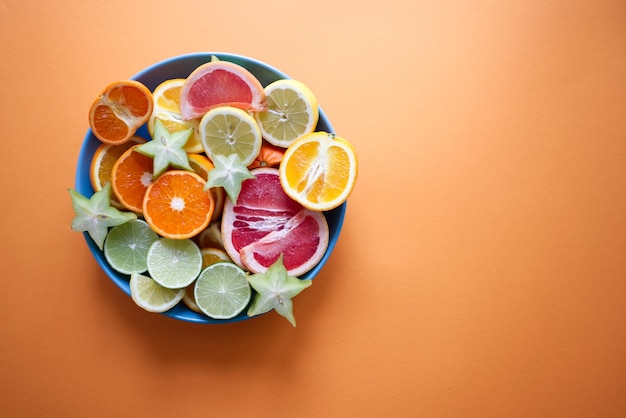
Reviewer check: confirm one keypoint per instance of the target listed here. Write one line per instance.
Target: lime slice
(222, 291)
(174, 263)
(126, 246)
(291, 113)
(227, 130)
(209, 256)
(151, 296)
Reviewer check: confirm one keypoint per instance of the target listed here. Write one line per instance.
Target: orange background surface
(481, 271)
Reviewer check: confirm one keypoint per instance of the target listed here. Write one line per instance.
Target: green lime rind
(126, 246)
(151, 296)
(222, 290)
(174, 263)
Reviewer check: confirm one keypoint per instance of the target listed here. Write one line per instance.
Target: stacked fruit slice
(230, 189)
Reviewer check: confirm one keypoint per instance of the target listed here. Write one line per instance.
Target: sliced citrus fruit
(174, 263)
(213, 255)
(222, 290)
(176, 206)
(167, 108)
(120, 110)
(103, 159)
(190, 300)
(220, 83)
(126, 246)
(265, 223)
(102, 164)
(151, 296)
(130, 177)
(209, 256)
(291, 113)
(211, 236)
(319, 171)
(227, 130)
(202, 165)
(269, 156)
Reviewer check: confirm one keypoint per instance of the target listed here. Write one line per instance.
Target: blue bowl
(181, 67)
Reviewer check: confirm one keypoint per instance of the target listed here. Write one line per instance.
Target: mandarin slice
(176, 205)
(120, 110)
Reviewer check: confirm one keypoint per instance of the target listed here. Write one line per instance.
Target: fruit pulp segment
(108, 123)
(170, 98)
(298, 241)
(286, 112)
(218, 86)
(336, 180)
(130, 98)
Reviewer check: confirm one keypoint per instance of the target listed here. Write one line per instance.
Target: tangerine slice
(130, 177)
(220, 83)
(102, 165)
(120, 110)
(176, 205)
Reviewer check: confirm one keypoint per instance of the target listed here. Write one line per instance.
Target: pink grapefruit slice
(220, 83)
(265, 223)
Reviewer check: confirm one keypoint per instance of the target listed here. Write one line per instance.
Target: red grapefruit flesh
(265, 222)
(220, 83)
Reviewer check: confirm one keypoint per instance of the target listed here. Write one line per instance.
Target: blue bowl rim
(181, 312)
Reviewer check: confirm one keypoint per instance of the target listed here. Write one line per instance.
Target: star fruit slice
(275, 290)
(229, 173)
(95, 215)
(166, 148)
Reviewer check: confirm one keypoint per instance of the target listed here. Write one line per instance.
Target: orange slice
(319, 171)
(176, 206)
(220, 83)
(130, 177)
(213, 255)
(102, 164)
(202, 165)
(119, 111)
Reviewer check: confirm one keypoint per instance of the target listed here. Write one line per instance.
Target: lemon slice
(222, 290)
(151, 296)
(228, 130)
(292, 112)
